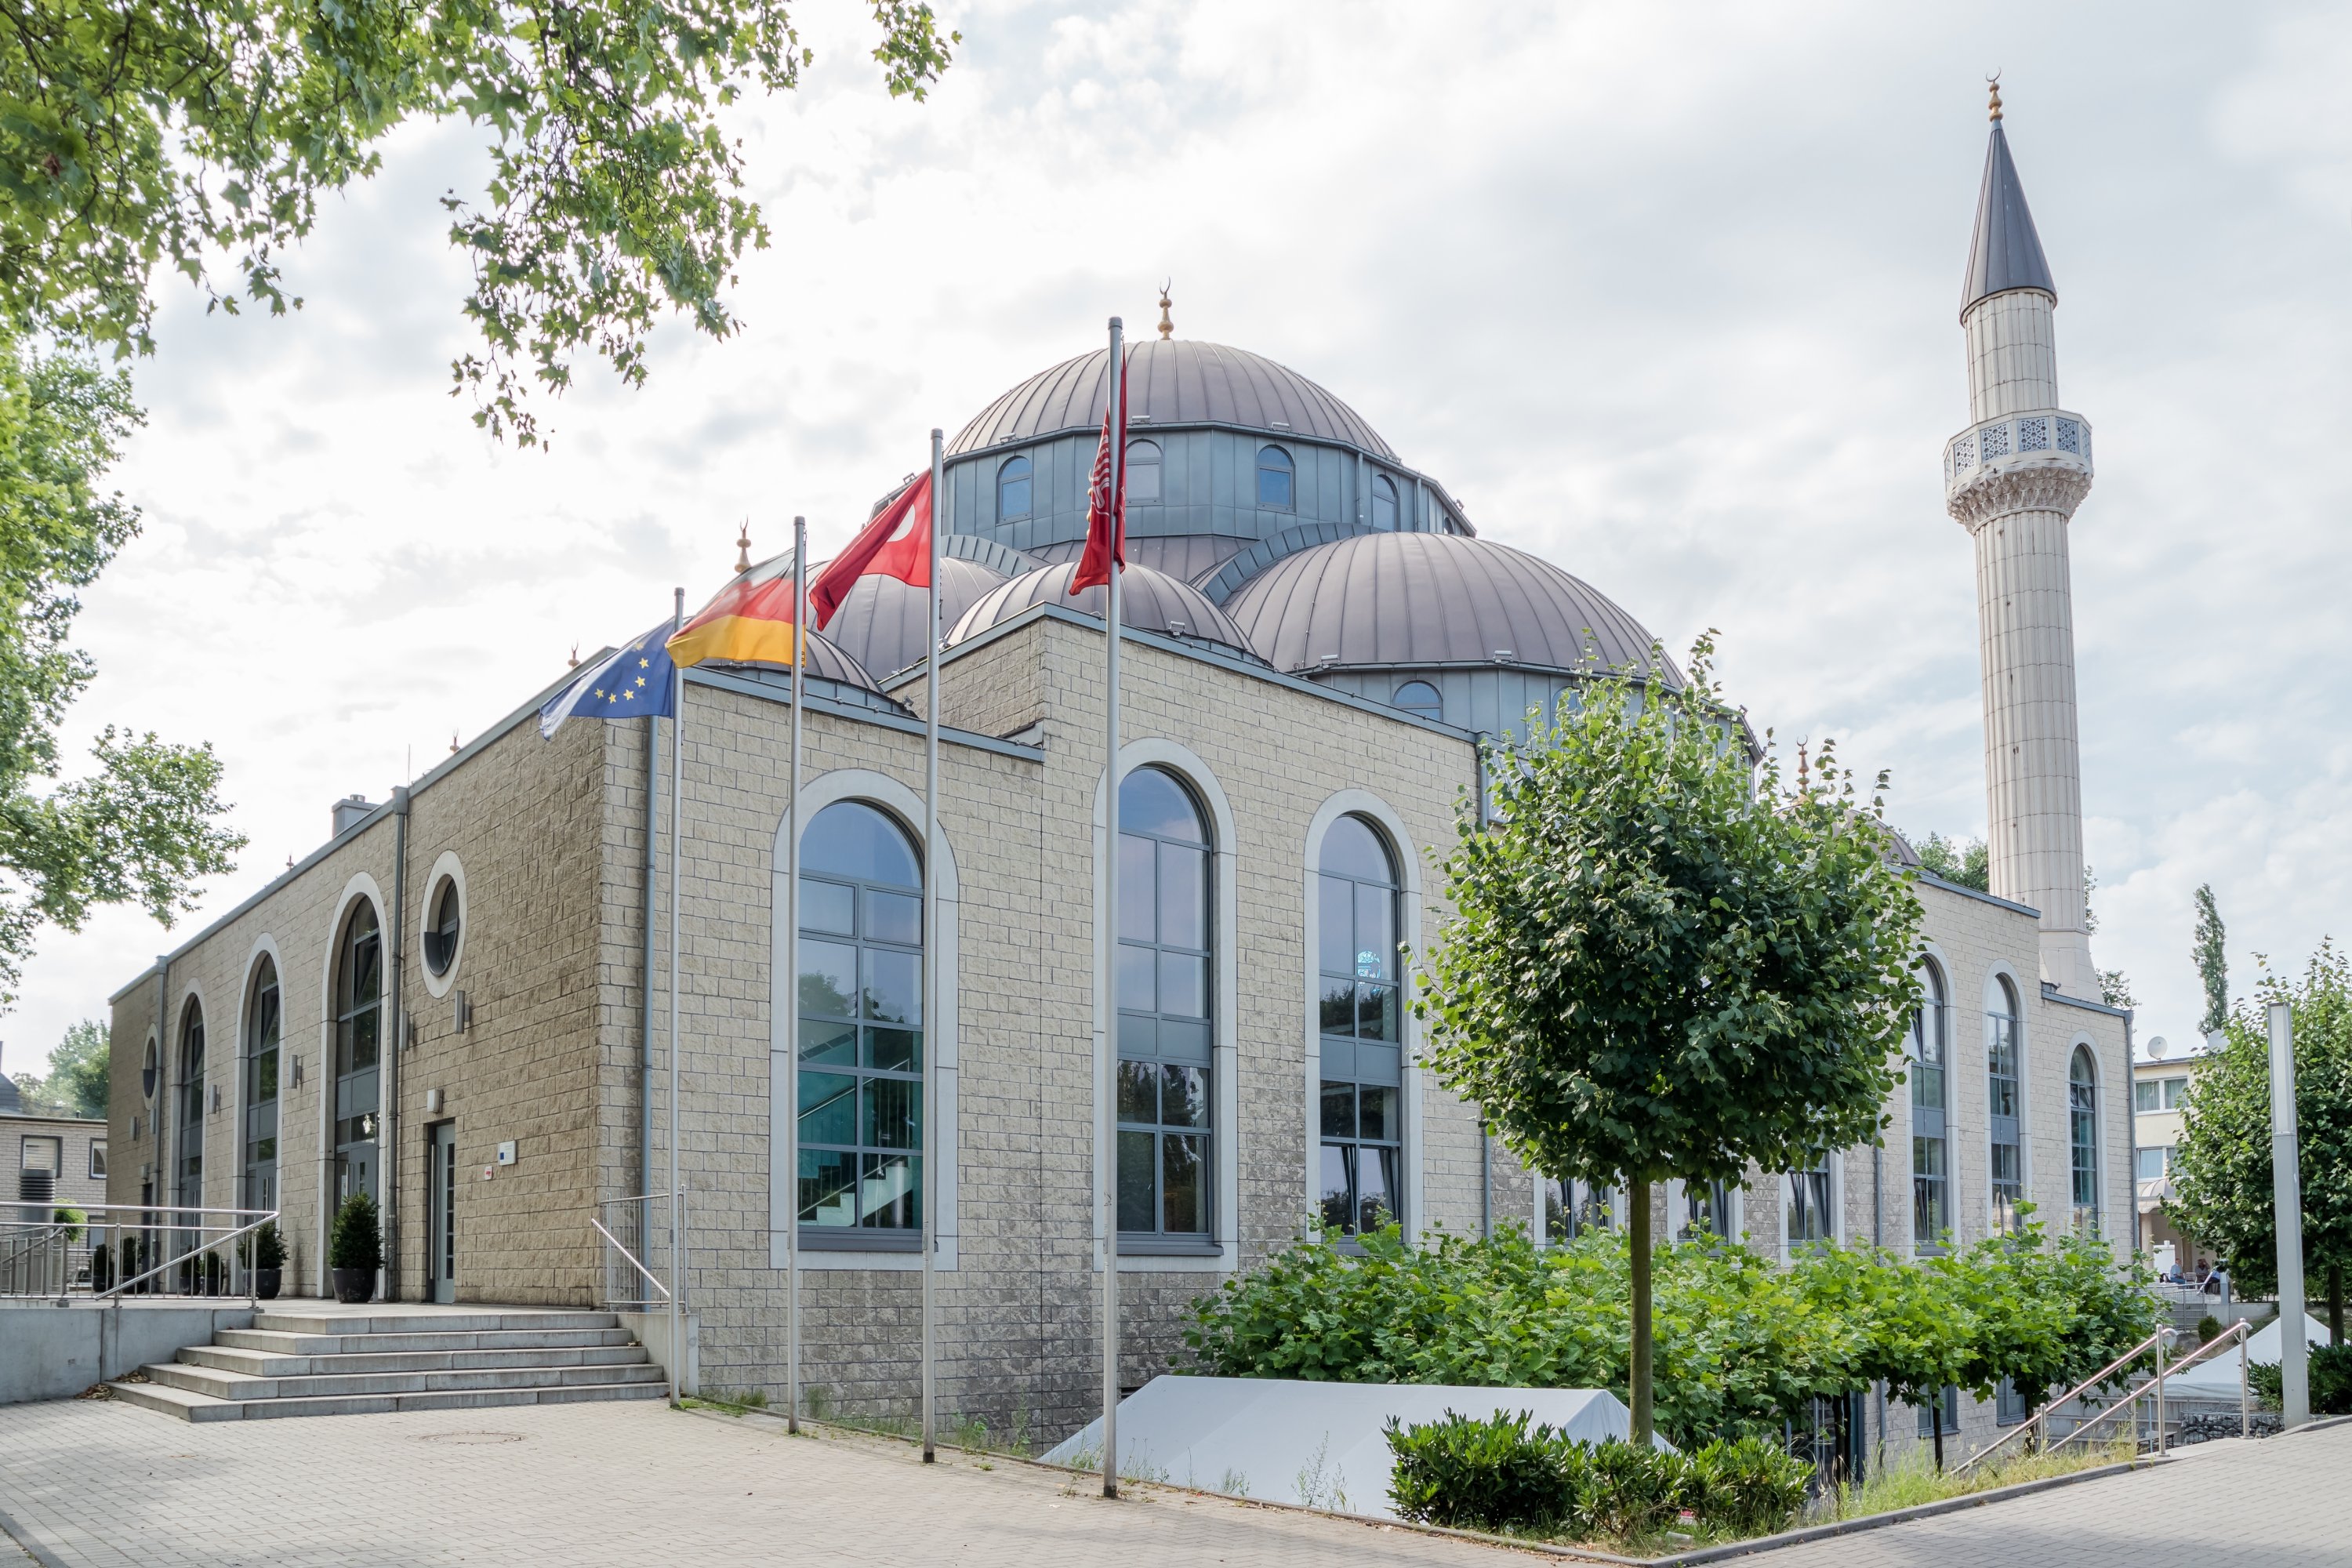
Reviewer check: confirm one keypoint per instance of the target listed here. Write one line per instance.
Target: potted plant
(268, 1259)
(355, 1251)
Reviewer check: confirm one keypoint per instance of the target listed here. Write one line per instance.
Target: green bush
(1751, 1487)
(1632, 1491)
(2330, 1377)
(358, 1241)
(2209, 1328)
(73, 1220)
(268, 1246)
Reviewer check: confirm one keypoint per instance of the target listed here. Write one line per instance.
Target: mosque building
(459, 1003)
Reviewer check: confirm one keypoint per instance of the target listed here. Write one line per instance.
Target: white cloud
(1667, 294)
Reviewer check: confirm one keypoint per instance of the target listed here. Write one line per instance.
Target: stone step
(390, 1319)
(238, 1386)
(192, 1406)
(273, 1363)
(286, 1343)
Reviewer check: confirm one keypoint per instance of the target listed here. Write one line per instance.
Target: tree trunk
(1938, 1408)
(1638, 1237)
(2336, 1303)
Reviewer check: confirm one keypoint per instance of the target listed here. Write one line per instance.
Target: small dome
(1170, 382)
(880, 622)
(1426, 600)
(827, 666)
(1148, 601)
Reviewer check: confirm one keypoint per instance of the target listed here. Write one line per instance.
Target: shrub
(268, 1246)
(73, 1220)
(357, 1242)
(1633, 1490)
(1751, 1487)
(2209, 1328)
(1486, 1474)
(2330, 1377)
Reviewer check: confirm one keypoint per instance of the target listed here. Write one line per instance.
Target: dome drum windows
(1361, 1098)
(1164, 964)
(1015, 485)
(1142, 472)
(1384, 504)
(1421, 700)
(1276, 481)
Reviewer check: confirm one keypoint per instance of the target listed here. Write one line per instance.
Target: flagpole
(792, 1004)
(676, 815)
(933, 953)
(1107, 928)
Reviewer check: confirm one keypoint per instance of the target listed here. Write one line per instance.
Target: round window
(442, 927)
(147, 1070)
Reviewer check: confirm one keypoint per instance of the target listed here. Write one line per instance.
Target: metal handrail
(2039, 1418)
(2239, 1331)
(264, 1217)
(631, 1256)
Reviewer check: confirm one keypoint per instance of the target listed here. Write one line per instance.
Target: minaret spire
(2014, 480)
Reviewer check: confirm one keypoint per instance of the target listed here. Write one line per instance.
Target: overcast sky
(1666, 293)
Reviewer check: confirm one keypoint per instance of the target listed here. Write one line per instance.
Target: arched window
(441, 931)
(264, 1023)
(359, 1047)
(2083, 1135)
(189, 1168)
(1384, 503)
(1420, 699)
(1143, 470)
(1164, 968)
(861, 999)
(2005, 1162)
(1356, 917)
(1013, 486)
(1273, 478)
(1931, 1169)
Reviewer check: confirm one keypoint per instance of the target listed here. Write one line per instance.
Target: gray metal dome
(1148, 601)
(829, 671)
(1392, 601)
(881, 623)
(1170, 382)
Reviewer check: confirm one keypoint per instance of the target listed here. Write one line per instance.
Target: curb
(23, 1537)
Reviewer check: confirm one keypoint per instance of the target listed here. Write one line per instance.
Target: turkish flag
(897, 543)
(1106, 509)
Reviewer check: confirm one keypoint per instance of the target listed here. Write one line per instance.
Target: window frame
(1827, 1192)
(1351, 1145)
(1434, 712)
(264, 1037)
(357, 1127)
(188, 1104)
(2004, 1007)
(1155, 462)
(98, 1159)
(1384, 490)
(1288, 467)
(1931, 1116)
(1565, 1208)
(2083, 1140)
(1027, 476)
(1127, 1022)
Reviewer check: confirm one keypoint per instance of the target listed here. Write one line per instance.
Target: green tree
(80, 1069)
(2222, 1171)
(2212, 963)
(140, 827)
(198, 134)
(1657, 968)
(1967, 864)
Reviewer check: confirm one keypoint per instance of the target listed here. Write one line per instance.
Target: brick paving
(102, 1484)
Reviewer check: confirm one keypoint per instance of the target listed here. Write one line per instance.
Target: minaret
(2012, 480)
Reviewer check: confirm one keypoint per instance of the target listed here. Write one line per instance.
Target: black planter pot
(353, 1285)
(265, 1284)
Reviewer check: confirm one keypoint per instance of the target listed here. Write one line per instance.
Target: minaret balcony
(2035, 450)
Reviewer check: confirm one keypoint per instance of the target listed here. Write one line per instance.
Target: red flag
(1106, 512)
(897, 543)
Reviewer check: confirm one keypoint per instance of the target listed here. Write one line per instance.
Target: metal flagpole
(932, 952)
(677, 813)
(1106, 925)
(792, 1007)
(2286, 1193)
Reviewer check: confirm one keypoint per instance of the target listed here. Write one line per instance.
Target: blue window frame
(1013, 486)
(1384, 503)
(1275, 476)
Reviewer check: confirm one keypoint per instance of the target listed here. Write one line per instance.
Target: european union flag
(630, 684)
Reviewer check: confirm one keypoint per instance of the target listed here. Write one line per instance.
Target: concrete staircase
(352, 1362)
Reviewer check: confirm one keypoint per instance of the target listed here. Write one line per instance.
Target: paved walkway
(99, 1484)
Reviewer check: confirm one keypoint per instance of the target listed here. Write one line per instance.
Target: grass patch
(1913, 1481)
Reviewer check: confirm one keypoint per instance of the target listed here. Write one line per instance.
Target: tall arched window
(1420, 699)
(1012, 489)
(1273, 478)
(263, 1027)
(2083, 1135)
(1931, 1167)
(1165, 953)
(188, 1169)
(1357, 917)
(1143, 470)
(861, 999)
(1384, 503)
(359, 1043)
(2005, 1161)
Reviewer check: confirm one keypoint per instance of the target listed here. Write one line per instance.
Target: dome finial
(744, 547)
(574, 662)
(1166, 323)
(1993, 85)
(454, 747)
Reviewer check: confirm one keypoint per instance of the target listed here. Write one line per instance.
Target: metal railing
(2128, 1402)
(143, 1249)
(632, 1282)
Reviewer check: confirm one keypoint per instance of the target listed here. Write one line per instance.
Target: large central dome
(1170, 382)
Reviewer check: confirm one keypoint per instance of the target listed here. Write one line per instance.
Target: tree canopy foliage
(1967, 864)
(2222, 1190)
(80, 1072)
(198, 136)
(2213, 963)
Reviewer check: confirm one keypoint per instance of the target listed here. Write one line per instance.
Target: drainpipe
(1878, 1239)
(646, 1035)
(388, 1114)
(2131, 1120)
(1485, 1143)
(167, 1188)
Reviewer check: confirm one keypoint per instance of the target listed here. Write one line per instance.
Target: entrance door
(441, 1228)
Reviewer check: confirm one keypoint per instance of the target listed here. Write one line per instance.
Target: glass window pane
(1336, 1204)
(1336, 920)
(894, 1050)
(1185, 1097)
(1183, 896)
(2176, 1093)
(892, 1117)
(1139, 986)
(2144, 1095)
(1379, 1112)
(828, 979)
(1375, 1188)
(1138, 889)
(1384, 505)
(1375, 932)
(822, 1040)
(828, 1183)
(1137, 1206)
(1339, 1007)
(1183, 986)
(1152, 800)
(364, 1040)
(828, 907)
(891, 1191)
(1139, 1092)
(853, 841)
(1376, 1011)
(264, 1076)
(1339, 1110)
(1351, 848)
(893, 917)
(1143, 484)
(1274, 478)
(1182, 1200)
(894, 986)
(828, 1108)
